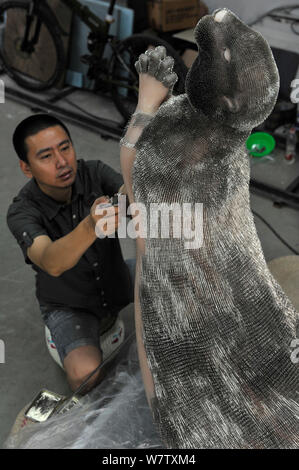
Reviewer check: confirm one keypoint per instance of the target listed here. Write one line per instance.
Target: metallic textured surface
(163, 72)
(139, 120)
(217, 327)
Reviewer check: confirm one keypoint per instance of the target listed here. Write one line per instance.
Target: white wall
(249, 10)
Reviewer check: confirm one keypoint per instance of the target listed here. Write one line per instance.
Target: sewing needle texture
(217, 327)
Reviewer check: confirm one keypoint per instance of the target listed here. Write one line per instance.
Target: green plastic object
(260, 144)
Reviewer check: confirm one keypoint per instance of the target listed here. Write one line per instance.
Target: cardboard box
(171, 15)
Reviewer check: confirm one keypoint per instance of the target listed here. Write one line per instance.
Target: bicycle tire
(134, 46)
(18, 64)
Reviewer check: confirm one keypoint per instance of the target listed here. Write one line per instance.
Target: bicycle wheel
(39, 66)
(123, 70)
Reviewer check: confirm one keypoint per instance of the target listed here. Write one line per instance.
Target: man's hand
(156, 79)
(104, 217)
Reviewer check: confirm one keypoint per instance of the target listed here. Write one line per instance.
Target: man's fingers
(101, 199)
(106, 226)
(109, 223)
(106, 210)
(105, 217)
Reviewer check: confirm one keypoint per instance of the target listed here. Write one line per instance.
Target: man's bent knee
(76, 382)
(80, 363)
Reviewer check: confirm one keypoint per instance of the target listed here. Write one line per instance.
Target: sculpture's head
(234, 79)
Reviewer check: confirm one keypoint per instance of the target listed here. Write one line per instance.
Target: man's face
(50, 155)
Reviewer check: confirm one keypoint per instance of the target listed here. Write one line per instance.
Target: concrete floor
(28, 366)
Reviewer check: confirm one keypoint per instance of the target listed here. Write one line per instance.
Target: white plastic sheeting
(114, 415)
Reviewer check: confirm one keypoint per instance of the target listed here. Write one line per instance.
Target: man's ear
(25, 167)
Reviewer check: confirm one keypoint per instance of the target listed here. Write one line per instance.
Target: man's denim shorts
(72, 328)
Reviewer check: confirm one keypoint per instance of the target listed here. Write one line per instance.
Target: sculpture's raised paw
(156, 63)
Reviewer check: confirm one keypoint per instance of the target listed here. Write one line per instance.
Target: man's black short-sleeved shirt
(100, 281)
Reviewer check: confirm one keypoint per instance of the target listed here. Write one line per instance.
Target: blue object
(76, 74)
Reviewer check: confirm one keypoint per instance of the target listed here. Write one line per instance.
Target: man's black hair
(31, 126)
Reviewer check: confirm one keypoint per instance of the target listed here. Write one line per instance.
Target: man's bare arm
(64, 253)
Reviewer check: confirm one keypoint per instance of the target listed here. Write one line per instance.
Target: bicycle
(26, 24)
